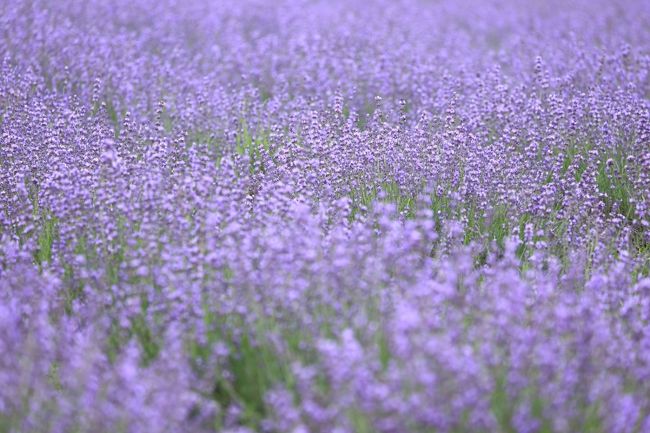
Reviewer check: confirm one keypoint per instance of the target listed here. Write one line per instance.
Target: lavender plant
(342, 216)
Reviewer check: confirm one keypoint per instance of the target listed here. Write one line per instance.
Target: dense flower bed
(337, 216)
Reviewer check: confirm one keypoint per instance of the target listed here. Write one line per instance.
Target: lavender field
(335, 216)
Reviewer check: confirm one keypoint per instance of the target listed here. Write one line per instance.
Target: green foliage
(149, 344)
(614, 183)
(251, 144)
(116, 339)
(253, 365)
(46, 237)
(363, 198)
(360, 422)
(384, 350)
